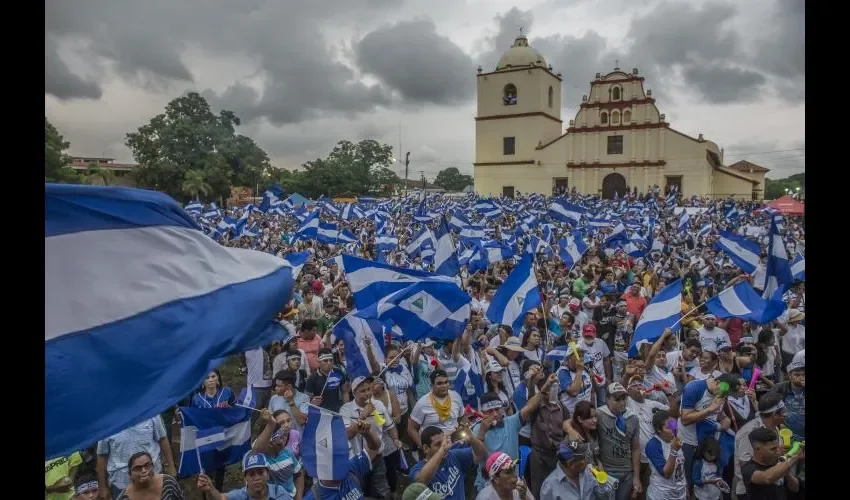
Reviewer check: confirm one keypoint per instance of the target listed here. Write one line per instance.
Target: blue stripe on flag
(324, 446)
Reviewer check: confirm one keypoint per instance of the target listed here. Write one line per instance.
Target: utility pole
(406, 167)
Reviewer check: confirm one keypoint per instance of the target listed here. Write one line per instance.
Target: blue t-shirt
(449, 480)
(504, 438)
(349, 488)
(223, 398)
(283, 468)
(275, 492)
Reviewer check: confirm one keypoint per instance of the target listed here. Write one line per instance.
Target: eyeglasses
(142, 467)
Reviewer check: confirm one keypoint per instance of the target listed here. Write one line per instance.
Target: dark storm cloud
(303, 77)
(60, 82)
(422, 65)
(698, 43)
(719, 84)
(782, 51)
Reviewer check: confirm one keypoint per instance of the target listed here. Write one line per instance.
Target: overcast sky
(303, 75)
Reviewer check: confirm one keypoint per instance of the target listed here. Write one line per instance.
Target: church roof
(520, 54)
(745, 166)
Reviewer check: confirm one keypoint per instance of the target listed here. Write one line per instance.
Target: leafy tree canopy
(774, 189)
(451, 179)
(350, 169)
(56, 162)
(190, 151)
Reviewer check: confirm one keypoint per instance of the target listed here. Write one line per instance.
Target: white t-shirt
(644, 413)
(598, 351)
(714, 338)
(350, 412)
(760, 276)
(488, 493)
(425, 415)
(259, 368)
(795, 339)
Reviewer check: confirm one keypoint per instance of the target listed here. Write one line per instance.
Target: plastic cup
(786, 434)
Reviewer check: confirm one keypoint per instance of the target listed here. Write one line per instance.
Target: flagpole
(696, 308)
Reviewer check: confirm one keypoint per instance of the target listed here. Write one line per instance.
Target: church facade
(618, 139)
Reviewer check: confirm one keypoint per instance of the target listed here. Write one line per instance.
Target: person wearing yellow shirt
(59, 477)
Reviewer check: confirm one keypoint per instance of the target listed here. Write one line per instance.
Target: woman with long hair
(582, 427)
(495, 384)
(707, 366)
(532, 342)
(145, 483)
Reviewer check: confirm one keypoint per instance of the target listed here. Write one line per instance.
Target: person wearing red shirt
(734, 327)
(635, 302)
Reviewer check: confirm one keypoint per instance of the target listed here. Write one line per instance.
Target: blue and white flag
(211, 438)
(140, 305)
(296, 261)
(705, 229)
(353, 331)
(798, 268)
(324, 446)
(779, 276)
(271, 198)
(489, 253)
(663, 312)
(683, 222)
(743, 252)
(741, 301)
(373, 281)
(310, 228)
(517, 295)
(424, 309)
(248, 397)
(572, 248)
(566, 212)
(445, 258)
(194, 207)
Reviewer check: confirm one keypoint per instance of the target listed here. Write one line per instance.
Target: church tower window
(509, 97)
(627, 117)
(615, 94)
(603, 118)
(551, 96)
(615, 118)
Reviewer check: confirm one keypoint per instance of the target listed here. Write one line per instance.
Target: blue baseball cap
(253, 460)
(570, 450)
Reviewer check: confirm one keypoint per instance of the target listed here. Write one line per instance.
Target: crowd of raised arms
(561, 387)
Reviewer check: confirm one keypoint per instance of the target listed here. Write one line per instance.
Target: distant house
(121, 171)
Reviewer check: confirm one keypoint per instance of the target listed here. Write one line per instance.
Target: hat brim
(514, 348)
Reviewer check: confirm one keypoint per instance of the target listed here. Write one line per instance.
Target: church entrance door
(613, 183)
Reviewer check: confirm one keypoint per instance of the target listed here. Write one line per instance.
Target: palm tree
(195, 183)
(95, 173)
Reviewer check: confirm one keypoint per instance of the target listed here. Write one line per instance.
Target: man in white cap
(574, 383)
(711, 336)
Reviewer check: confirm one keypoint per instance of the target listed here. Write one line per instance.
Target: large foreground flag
(324, 446)
(517, 295)
(663, 312)
(741, 301)
(140, 305)
(211, 438)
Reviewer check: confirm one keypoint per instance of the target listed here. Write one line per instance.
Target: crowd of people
(709, 410)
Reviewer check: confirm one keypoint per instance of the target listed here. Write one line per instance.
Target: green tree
(774, 189)
(188, 136)
(195, 184)
(361, 168)
(451, 179)
(56, 162)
